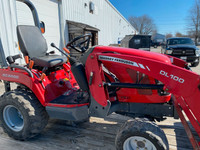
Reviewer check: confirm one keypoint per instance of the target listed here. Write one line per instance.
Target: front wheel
(21, 114)
(142, 134)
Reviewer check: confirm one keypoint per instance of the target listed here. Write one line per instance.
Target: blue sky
(170, 16)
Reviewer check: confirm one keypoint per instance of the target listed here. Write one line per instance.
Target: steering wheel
(80, 46)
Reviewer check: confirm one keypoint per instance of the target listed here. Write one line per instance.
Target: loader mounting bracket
(96, 110)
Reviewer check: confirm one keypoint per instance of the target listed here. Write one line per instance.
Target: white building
(64, 20)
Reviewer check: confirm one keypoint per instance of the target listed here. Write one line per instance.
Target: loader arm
(182, 83)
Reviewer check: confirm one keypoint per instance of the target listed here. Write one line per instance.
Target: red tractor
(126, 81)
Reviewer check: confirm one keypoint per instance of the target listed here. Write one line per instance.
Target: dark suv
(183, 48)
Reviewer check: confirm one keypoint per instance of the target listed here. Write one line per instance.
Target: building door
(76, 29)
(94, 39)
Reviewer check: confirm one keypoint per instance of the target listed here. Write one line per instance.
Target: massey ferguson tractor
(144, 85)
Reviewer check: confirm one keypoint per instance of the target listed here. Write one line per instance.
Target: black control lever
(71, 60)
(53, 45)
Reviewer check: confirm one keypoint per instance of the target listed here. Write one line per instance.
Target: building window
(137, 41)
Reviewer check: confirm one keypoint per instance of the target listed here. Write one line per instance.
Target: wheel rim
(13, 118)
(138, 143)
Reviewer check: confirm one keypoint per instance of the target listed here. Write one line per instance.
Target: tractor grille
(183, 52)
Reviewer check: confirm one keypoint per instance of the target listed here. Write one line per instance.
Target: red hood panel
(135, 52)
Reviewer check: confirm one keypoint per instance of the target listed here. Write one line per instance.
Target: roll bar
(33, 10)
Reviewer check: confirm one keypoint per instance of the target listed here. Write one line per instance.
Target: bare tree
(178, 34)
(191, 34)
(143, 24)
(194, 20)
(168, 35)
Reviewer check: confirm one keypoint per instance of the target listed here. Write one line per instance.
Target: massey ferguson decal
(123, 61)
(10, 76)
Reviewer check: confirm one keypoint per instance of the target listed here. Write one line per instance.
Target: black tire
(33, 116)
(144, 129)
(194, 64)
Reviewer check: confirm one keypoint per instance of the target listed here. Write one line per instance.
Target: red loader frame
(176, 78)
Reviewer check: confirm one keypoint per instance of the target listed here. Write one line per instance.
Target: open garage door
(49, 13)
(76, 29)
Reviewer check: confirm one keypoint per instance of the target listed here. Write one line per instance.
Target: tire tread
(37, 115)
(141, 126)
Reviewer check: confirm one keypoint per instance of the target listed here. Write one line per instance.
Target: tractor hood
(134, 52)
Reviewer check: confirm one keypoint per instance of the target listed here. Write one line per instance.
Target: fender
(20, 76)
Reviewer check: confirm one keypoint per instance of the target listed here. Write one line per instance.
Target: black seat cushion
(49, 60)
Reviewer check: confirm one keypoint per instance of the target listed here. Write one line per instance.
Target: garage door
(48, 11)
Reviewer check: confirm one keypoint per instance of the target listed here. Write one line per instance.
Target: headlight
(168, 51)
(197, 52)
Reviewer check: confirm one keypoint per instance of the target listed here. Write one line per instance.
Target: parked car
(155, 44)
(183, 48)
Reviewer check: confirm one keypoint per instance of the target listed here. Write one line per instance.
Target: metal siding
(7, 28)
(106, 18)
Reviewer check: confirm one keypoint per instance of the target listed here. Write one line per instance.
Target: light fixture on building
(91, 7)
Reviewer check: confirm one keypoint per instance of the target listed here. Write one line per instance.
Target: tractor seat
(33, 44)
(50, 60)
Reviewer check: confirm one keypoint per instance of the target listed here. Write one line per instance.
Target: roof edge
(120, 14)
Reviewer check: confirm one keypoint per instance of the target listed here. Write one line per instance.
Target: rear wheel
(141, 134)
(21, 114)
